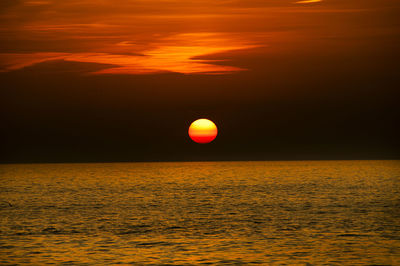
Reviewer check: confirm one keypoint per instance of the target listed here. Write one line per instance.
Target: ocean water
(201, 213)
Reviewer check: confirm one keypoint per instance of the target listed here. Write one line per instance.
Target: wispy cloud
(37, 3)
(174, 54)
(308, 1)
(149, 36)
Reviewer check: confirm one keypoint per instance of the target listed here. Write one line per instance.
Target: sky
(106, 80)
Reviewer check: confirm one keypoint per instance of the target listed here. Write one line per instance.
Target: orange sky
(152, 36)
(113, 80)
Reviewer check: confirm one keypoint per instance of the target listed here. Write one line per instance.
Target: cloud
(145, 36)
(178, 54)
(37, 3)
(308, 1)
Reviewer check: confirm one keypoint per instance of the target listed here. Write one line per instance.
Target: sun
(203, 131)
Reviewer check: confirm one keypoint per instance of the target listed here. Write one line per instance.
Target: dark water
(233, 213)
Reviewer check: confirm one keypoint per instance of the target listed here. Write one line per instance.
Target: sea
(201, 213)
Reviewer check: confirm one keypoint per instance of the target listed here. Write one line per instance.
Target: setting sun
(203, 131)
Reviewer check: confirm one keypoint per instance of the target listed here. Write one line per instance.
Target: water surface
(233, 213)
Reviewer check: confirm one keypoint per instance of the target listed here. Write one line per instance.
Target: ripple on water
(239, 213)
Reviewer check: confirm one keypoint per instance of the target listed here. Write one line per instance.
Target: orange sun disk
(203, 131)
